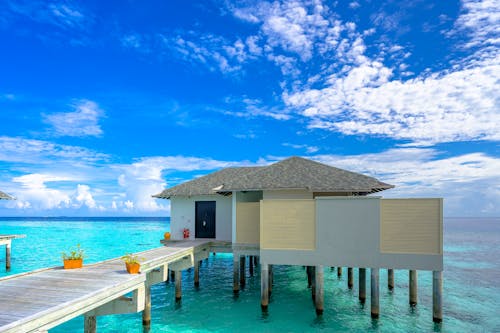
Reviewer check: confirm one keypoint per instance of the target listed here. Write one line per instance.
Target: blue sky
(103, 103)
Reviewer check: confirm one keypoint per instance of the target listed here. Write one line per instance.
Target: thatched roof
(4, 196)
(288, 174)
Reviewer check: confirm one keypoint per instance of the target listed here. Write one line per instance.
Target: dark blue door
(205, 219)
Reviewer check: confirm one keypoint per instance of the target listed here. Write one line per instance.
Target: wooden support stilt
(178, 285)
(236, 273)
(7, 256)
(437, 291)
(390, 279)
(271, 279)
(242, 271)
(319, 297)
(350, 278)
(172, 276)
(374, 293)
(264, 286)
(362, 285)
(250, 265)
(197, 273)
(146, 313)
(90, 324)
(413, 287)
(309, 276)
(339, 272)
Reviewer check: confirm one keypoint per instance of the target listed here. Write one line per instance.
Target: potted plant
(132, 262)
(73, 259)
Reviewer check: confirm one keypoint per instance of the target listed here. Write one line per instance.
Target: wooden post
(256, 260)
(319, 298)
(390, 279)
(374, 293)
(350, 278)
(437, 291)
(271, 279)
(146, 313)
(197, 273)
(250, 265)
(242, 271)
(264, 286)
(236, 273)
(413, 287)
(178, 285)
(362, 285)
(172, 276)
(7, 255)
(90, 324)
(339, 272)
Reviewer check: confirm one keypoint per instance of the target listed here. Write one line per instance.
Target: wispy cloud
(307, 148)
(16, 149)
(84, 121)
(62, 14)
(470, 183)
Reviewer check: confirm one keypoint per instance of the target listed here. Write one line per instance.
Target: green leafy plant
(74, 253)
(132, 258)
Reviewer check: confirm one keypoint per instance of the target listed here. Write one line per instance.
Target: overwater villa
(293, 212)
(301, 212)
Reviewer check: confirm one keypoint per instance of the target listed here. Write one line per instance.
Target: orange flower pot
(73, 263)
(133, 268)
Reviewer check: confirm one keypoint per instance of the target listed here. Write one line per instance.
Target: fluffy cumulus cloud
(84, 121)
(145, 177)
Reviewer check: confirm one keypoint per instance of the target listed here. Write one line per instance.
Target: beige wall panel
(287, 194)
(411, 226)
(287, 224)
(248, 222)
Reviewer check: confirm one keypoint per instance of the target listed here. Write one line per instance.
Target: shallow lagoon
(470, 300)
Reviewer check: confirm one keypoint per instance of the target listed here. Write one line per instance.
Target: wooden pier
(7, 241)
(40, 300)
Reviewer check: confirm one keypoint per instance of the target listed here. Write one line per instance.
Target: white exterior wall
(182, 215)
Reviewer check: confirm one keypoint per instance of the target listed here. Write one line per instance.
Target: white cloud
(84, 121)
(307, 148)
(84, 197)
(469, 183)
(363, 98)
(36, 195)
(15, 149)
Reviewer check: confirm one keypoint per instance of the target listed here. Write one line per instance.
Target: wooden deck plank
(45, 298)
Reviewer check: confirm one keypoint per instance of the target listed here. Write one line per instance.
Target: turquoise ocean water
(471, 300)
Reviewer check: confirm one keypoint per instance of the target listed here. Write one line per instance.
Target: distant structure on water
(301, 212)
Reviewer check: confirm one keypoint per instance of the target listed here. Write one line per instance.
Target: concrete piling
(413, 287)
(197, 273)
(374, 289)
(437, 291)
(242, 271)
(236, 273)
(362, 285)
(250, 265)
(178, 285)
(90, 324)
(146, 313)
(7, 256)
(390, 279)
(319, 297)
(264, 286)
